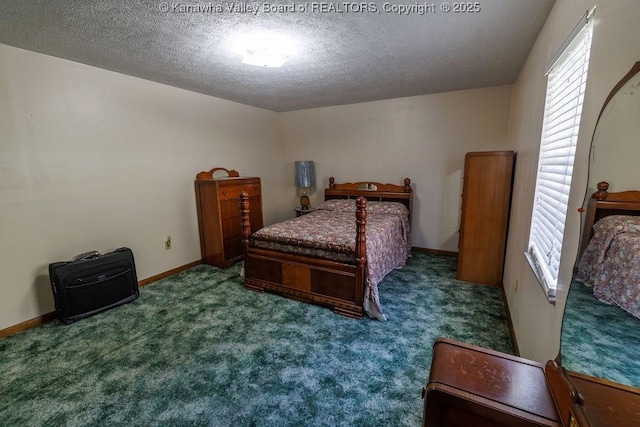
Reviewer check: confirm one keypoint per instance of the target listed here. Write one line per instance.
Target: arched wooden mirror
(601, 325)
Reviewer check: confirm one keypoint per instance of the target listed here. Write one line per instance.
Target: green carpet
(199, 349)
(598, 339)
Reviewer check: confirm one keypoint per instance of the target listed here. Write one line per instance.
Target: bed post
(245, 225)
(602, 192)
(361, 227)
(245, 230)
(407, 185)
(361, 246)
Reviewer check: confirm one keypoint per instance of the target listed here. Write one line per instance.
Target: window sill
(550, 293)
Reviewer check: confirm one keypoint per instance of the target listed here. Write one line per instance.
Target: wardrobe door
(486, 202)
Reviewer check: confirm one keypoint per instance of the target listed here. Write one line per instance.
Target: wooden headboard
(372, 191)
(602, 204)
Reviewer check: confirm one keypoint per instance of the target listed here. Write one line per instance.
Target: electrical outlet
(517, 285)
(167, 243)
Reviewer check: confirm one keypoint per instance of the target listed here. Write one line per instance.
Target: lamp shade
(305, 174)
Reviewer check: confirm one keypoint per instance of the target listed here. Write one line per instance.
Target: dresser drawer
(231, 208)
(233, 192)
(233, 247)
(231, 227)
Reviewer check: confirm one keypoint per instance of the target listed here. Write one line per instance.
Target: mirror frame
(569, 401)
(632, 72)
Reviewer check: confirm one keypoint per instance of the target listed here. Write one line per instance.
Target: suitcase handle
(86, 255)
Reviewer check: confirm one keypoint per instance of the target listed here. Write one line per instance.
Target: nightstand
(300, 211)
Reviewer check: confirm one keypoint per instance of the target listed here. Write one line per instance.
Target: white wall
(424, 138)
(615, 48)
(94, 160)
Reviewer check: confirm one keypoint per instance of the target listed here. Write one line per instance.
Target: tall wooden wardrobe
(218, 204)
(486, 202)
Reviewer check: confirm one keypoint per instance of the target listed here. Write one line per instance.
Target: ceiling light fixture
(264, 58)
(265, 50)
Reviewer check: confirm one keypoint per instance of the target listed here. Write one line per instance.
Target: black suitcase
(92, 283)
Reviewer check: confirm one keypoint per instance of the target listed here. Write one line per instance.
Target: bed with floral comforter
(611, 262)
(330, 233)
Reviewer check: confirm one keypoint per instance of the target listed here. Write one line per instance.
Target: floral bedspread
(330, 233)
(611, 262)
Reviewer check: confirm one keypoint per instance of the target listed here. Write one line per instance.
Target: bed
(610, 250)
(334, 256)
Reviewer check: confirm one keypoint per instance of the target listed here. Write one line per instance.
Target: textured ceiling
(342, 56)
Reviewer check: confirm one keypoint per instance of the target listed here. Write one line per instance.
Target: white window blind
(566, 84)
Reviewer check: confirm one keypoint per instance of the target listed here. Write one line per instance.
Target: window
(566, 81)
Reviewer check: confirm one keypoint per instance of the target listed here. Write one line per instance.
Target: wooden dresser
(218, 205)
(486, 202)
(475, 386)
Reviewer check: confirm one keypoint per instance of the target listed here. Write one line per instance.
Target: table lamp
(305, 178)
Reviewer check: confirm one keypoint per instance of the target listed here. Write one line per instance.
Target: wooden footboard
(339, 286)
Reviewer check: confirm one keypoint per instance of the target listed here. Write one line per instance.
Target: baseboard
(168, 273)
(434, 251)
(37, 321)
(512, 331)
(32, 323)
